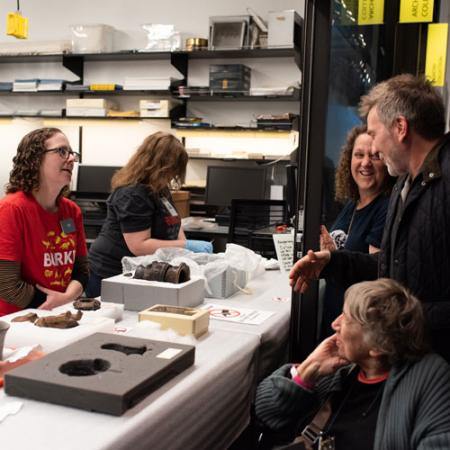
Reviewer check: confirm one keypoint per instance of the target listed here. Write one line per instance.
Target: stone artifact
(87, 304)
(103, 372)
(64, 320)
(30, 317)
(161, 271)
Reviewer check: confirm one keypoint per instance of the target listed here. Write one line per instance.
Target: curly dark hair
(345, 186)
(391, 317)
(24, 175)
(159, 160)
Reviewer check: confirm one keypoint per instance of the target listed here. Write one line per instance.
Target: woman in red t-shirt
(43, 254)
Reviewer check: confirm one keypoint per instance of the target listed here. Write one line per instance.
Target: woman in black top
(141, 216)
(363, 185)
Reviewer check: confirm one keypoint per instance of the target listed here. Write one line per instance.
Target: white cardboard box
(227, 283)
(282, 27)
(137, 295)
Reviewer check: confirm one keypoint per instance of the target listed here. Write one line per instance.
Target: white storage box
(92, 38)
(281, 26)
(226, 283)
(155, 108)
(137, 295)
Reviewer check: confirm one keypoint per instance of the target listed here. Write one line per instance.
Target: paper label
(370, 12)
(169, 353)
(284, 247)
(436, 53)
(233, 314)
(416, 11)
(169, 207)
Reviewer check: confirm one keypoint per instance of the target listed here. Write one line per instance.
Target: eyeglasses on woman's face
(65, 153)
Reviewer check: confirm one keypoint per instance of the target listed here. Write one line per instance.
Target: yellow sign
(17, 25)
(416, 11)
(436, 53)
(370, 12)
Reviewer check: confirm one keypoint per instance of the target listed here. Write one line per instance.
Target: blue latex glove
(199, 246)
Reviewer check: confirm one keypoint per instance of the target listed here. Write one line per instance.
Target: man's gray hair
(412, 97)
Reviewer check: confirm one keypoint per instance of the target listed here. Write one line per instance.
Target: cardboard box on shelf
(181, 200)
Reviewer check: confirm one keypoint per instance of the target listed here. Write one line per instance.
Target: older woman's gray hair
(392, 319)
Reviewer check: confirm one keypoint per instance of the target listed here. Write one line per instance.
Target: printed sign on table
(233, 314)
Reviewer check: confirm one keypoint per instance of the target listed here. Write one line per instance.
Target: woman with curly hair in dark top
(363, 185)
(43, 255)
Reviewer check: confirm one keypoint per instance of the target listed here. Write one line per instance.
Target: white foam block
(137, 295)
(111, 310)
(26, 333)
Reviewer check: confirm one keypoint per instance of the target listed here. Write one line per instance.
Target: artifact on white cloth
(64, 320)
(30, 317)
(162, 271)
(87, 304)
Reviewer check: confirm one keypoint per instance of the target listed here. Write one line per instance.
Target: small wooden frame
(182, 319)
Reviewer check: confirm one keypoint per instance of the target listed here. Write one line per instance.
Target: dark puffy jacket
(415, 249)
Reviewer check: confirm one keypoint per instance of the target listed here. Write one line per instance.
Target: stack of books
(146, 84)
(105, 87)
(77, 87)
(50, 85)
(88, 107)
(154, 108)
(285, 121)
(30, 85)
(6, 86)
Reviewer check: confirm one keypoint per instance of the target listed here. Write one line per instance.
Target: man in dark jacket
(406, 118)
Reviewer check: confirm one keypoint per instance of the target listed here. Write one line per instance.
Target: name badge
(169, 207)
(68, 226)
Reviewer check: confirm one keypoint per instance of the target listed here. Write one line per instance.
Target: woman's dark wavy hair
(159, 160)
(24, 175)
(345, 186)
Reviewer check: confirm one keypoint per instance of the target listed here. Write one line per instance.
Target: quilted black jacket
(419, 239)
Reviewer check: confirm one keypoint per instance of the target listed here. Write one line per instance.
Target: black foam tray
(103, 372)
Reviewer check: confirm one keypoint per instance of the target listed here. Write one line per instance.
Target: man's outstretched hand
(308, 269)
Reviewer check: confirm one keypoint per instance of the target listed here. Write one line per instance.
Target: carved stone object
(30, 317)
(64, 320)
(161, 271)
(87, 304)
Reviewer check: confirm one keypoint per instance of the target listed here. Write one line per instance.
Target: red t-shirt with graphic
(34, 237)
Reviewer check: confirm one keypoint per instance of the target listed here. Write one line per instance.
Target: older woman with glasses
(43, 254)
(372, 385)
